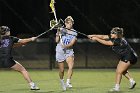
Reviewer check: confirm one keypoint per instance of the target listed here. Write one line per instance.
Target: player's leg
(61, 69)
(60, 58)
(70, 62)
(18, 67)
(121, 68)
(127, 74)
(131, 80)
(61, 74)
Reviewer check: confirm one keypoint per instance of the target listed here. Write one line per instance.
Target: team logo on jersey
(5, 43)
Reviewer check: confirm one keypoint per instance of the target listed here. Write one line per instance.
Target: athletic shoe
(69, 85)
(114, 90)
(63, 85)
(132, 84)
(34, 87)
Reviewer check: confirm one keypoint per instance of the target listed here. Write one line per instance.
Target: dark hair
(118, 31)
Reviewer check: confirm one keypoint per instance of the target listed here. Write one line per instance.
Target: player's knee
(119, 71)
(22, 70)
(70, 68)
(125, 72)
(61, 70)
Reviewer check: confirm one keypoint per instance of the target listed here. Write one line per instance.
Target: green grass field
(84, 81)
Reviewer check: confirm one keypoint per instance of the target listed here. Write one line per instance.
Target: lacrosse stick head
(58, 24)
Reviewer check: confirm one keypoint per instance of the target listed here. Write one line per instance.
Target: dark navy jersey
(6, 46)
(122, 47)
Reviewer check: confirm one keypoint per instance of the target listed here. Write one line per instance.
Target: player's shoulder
(62, 29)
(5, 37)
(14, 38)
(115, 39)
(74, 32)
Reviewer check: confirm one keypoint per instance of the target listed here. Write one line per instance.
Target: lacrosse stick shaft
(77, 32)
(43, 33)
(55, 16)
(47, 31)
(81, 33)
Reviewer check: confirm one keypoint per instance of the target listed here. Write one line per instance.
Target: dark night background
(31, 17)
(28, 18)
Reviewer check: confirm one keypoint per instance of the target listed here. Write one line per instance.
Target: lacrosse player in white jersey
(66, 38)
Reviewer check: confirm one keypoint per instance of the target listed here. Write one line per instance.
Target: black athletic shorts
(7, 63)
(129, 57)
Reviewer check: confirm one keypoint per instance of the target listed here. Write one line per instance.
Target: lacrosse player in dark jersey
(127, 55)
(6, 60)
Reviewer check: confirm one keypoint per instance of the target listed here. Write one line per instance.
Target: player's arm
(71, 43)
(26, 40)
(99, 36)
(57, 38)
(18, 44)
(104, 42)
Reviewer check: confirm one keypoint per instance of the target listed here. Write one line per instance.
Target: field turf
(83, 81)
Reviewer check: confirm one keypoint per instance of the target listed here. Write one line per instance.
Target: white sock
(117, 86)
(61, 80)
(131, 80)
(68, 81)
(31, 83)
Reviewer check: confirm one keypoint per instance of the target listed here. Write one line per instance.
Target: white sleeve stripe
(19, 40)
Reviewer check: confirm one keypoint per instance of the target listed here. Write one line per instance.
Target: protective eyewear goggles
(112, 32)
(5, 29)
